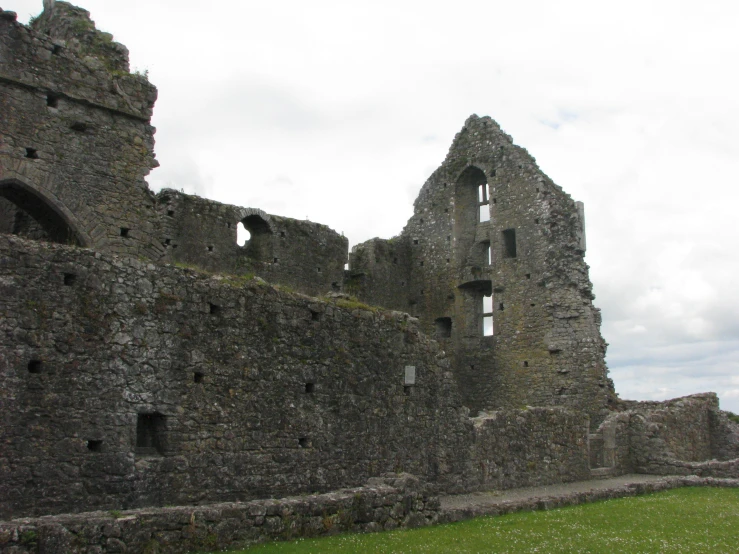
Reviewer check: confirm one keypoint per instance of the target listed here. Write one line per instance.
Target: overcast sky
(338, 111)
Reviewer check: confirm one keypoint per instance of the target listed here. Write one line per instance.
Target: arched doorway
(25, 212)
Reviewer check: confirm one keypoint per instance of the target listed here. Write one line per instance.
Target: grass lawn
(685, 520)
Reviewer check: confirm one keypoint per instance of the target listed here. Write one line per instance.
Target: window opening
(483, 201)
(34, 366)
(242, 235)
(197, 377)
(124, 232)
(509, 243)
(150, 430)
(303, 442)
(69, 279)
(52, 100)
(32, 153)
(310, 388)
(487, 316)
(95, 445)
(443, 327)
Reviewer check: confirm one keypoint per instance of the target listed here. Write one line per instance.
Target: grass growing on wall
(683, 520)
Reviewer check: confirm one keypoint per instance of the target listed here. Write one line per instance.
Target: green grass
(677, 521)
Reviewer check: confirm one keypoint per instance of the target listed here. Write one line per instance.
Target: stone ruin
(148, 360)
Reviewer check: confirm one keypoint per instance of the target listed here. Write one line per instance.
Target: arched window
(26, 213)
(254, 235)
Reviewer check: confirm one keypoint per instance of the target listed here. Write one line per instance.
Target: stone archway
(31, 213)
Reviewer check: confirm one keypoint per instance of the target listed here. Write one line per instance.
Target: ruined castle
(147, 359)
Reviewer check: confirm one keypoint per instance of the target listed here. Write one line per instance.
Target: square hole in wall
(500, 307)
(69, 279)
(407, 390)
(167, 242)
(150, 433)
(318, 270)
(56, 50)
(276, 261)
(315, 316)
(310, 388)
(79, 126)
(421, 264)
(125, 232)
(526, 364)
(303, 442)
(528, 275)
(395, 260)
(32, 153)
(52, 100)
(198, 377)
(210, 248)
(415, 241)
(282, 234)
(170, 213)
(95, 445)
(443, 327)
(214, 309)
(536, 221)
(35, 366)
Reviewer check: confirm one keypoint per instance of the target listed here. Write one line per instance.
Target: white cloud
(631, 110)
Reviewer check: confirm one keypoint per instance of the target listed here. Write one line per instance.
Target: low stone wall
(383, 504)
(713, 468)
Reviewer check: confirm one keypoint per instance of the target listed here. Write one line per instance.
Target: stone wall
(304, 255)
(396, 501)
(489, 223)
(127, 385)
(75, 138)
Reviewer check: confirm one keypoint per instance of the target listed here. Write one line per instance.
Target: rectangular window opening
(310, 388)
(303, 442)
(69, 279)
(35, 366)
(32, 153)
(315, 316)
(170, 213)
(52, 100)
(95, 445)
(125, 232)
(509, 243)
(215, 309)
(443, 327)
(487, 316)
(198, 377)
(150, 433)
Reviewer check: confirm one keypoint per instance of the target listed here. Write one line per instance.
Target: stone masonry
(149, 360)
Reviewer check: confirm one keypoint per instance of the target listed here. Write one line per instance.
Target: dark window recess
(79, 126)
(446, 210)
(150, 431)
(526, 364)
(282, 234)
(170, 213)
(228, 225)
(443, 327)
(124, 232)
(500, 307)
(449, 238)
(56, 50)
(167, 242)
(69, 279)
(422, 222)
(492, 173)
(335, 286)
(532, 305)
(32, 153)
(495, 200)
(276, 260)
(415, 241)
(536, 221)
(509, 243)
(395, 260)
(95, 445)
(215, 309)
(407, 390)
(318, 269)
(52, 100)
(310, 387)
(421, 264)
(448, 260)
(35, 366)
(315, 316)
(210, 248)
(198, 377)
(303, 442)
(528, 275)
(423, 291)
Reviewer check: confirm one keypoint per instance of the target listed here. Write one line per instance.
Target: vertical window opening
(242, 235)
(487, 316)
(150, 429)
(509, 243)
(483, 201)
